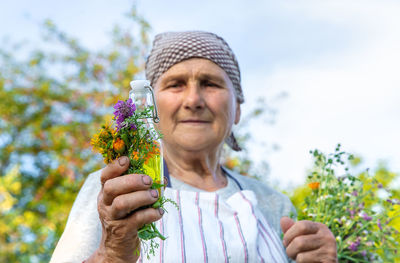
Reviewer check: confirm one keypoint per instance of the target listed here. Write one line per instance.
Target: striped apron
(208, 229)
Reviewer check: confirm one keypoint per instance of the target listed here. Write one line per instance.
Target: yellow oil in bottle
(154, 168)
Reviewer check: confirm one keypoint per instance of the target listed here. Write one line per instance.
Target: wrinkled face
(196, 104)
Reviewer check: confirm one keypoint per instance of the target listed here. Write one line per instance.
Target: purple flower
(352, 212)
(366, 217)
(364, 253)
(354, 193)
(379, 224)
(122, 111)
(380, 186)
(354, 246)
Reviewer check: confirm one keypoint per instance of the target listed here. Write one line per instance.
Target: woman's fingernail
(154, 193)
(161, 211)
(146, 179)
(165, 182)
(123, 160)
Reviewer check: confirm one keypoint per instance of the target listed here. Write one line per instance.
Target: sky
(328, 68)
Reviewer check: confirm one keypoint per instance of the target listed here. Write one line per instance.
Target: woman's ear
(237, 113)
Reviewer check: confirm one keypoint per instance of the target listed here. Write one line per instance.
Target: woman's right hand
(118, 205)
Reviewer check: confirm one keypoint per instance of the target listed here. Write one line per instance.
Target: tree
(52, 101)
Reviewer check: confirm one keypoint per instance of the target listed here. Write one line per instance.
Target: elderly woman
(222, 215)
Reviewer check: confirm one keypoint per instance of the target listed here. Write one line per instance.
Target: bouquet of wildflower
(132, 137)
(343, 203)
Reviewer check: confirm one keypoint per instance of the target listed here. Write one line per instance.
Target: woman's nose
(194, 99)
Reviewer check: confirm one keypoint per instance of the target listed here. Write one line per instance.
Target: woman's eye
(173, 85)
(210, 84)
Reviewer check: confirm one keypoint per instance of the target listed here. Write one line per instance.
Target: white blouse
(206, 228)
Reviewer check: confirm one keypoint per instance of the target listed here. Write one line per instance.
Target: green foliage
(362, 211)
(52, 99)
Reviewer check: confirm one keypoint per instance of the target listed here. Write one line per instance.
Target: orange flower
(314, 185)
(151, 151)
(119, 145)
(231, 163)
(135, 155)
(155, 150)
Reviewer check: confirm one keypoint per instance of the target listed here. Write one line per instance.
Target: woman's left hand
(308, 241)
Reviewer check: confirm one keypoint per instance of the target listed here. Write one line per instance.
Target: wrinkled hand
(118, 205)
(308, 241)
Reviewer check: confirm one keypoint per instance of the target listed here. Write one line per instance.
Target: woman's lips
(195, 122)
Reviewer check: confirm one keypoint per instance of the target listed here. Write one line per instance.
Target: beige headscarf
(171, 48)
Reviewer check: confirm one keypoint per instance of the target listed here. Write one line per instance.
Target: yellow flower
(314, 185)
(101, 139)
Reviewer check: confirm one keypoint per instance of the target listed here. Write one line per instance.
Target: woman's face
(197, 105)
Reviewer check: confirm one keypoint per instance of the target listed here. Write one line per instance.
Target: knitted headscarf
(171, 48)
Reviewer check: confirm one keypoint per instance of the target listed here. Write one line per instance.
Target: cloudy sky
(336, 61)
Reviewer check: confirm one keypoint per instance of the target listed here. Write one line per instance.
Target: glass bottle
(142, 95)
